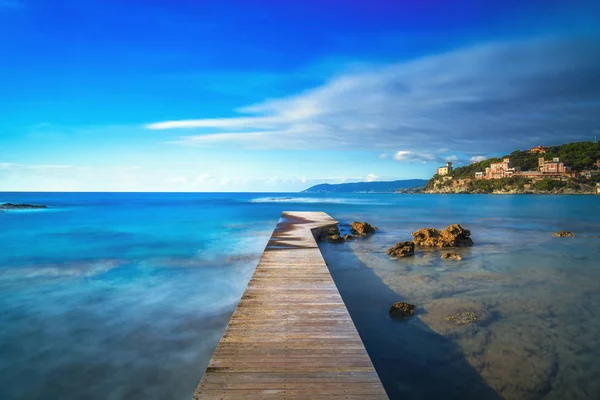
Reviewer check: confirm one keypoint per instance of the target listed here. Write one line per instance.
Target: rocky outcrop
(402, 249)
(327, 234)
(451, 256)
(402, 309)
(363, 228)
(330, 234)
(12, 206)
(453, 236)
(563, 234)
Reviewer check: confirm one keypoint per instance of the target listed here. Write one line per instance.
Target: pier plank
(291, 336)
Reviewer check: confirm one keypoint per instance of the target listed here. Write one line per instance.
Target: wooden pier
(291, 336)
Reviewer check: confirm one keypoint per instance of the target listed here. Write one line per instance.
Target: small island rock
(563, 234)
(453, 236)
(452, 256)
(402, 249)
(401, 309)
(362, 228)
(12, 206)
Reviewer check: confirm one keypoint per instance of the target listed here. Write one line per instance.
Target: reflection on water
(538, 299)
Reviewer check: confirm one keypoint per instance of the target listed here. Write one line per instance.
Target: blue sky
(148, 95)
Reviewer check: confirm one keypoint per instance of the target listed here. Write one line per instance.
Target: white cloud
(372, 177)
(477, 158)
(496, 96)
(411, 156)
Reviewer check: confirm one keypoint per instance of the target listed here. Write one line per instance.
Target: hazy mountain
(357, 187)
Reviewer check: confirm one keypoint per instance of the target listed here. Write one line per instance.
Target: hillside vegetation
(579, 156)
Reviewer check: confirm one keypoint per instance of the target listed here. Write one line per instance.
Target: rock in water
(327, 234)
(335, 239)
(451, 256)
(563, 234)
(402, 249)
(11, 206)
(363, 228)
(348, 237)
(453, 236)
(402, 309)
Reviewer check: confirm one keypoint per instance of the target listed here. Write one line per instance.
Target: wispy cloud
(496, 96)
(477, 158)
(372, 177)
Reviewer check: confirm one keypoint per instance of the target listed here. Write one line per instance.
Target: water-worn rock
(453, 236)
(563, 234)
(12, 206)
(327, 234)
(401, 309)
(348, 237)
(451, 256)
(335, 239)
(362, 228)
(402, 249)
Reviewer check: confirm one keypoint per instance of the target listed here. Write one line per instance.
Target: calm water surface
(114, 296)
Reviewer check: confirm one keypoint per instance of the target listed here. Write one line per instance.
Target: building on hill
(445, 170)
(546, 169)
(538, 150)
(552, 167)
(503, 169)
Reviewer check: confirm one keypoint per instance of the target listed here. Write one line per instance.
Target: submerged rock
(563, 234)
(363, 228)
(12, 206)
(464, 317)
(401, 309)
(402, 249)
(335, 239)
(453, 236)
(451, 256)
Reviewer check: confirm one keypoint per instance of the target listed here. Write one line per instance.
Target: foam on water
(319, 200)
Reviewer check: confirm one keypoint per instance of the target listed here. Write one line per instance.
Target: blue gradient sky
(148, 95)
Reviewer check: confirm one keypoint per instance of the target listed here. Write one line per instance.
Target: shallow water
(112, 296)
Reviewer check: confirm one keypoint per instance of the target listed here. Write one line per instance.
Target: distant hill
(365, 187)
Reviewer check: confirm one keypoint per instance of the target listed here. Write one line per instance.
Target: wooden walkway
(291, 336)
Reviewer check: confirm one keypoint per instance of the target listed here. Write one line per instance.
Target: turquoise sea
(125, 296)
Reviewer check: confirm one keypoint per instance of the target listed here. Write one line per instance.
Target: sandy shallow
(537, 299)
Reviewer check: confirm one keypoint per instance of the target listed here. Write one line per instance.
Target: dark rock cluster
(401, 309)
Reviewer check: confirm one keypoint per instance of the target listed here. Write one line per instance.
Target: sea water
(125, 296)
